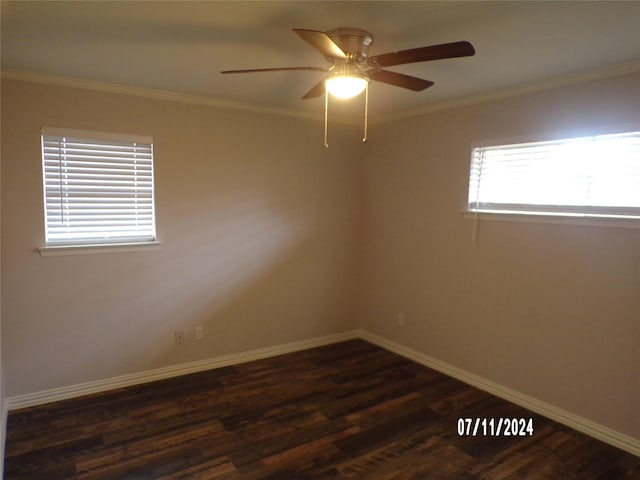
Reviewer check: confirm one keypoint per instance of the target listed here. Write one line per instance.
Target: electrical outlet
(400, 319)
(179, 337)
(199, 332)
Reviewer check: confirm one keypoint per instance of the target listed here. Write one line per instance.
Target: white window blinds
(98, 187)
(591, 176)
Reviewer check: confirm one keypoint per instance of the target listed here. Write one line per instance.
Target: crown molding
(156, 94)
(73, 82)
(583, 77)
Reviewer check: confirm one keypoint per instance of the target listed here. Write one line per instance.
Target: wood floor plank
(349, 410)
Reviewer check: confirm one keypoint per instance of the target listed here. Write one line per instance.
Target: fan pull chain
(326, 115)
(326, 112)
(366, 111)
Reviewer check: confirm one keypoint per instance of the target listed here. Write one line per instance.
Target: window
(98, 188)
(597, 176)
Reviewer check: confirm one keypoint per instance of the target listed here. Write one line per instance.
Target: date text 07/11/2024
(495, 427)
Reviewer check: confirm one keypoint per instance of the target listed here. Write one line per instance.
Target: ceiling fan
(351, 69)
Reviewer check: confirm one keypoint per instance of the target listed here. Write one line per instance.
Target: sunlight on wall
(214, 264)
(200, 273)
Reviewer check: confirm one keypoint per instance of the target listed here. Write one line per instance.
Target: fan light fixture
(345, 86)
(351, 69)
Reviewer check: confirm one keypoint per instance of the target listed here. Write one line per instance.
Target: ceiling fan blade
(399, 80)
(281, 69)
(321, 42)
(316, 90)
(423, 54)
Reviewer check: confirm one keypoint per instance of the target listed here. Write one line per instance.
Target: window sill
(579, 220)
(51, 250)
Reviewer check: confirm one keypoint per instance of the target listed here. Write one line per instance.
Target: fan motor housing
(355, 42)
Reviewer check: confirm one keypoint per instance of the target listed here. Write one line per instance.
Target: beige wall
(259, 229)
(269, 238)
(552, 311)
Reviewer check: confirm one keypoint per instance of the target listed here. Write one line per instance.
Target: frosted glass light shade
(345, 86)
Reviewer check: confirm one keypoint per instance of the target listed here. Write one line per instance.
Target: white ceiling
(182, 46)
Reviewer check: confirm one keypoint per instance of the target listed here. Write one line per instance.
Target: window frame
(549, 213)
(104, 241)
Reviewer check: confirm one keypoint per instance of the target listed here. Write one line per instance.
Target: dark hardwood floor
(350, 410)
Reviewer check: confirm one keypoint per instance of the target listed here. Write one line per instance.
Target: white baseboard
(72, 391)
(588, 427)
